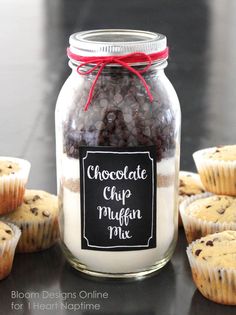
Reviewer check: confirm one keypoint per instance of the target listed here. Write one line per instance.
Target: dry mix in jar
(117, 134)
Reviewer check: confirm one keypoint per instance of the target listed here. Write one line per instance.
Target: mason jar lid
(116, 42)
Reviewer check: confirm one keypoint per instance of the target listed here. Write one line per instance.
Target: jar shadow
(37, 271)
(150, 295)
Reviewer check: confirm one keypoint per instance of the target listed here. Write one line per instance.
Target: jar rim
(116, 42)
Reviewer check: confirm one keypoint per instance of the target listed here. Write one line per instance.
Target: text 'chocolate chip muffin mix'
(117, 133)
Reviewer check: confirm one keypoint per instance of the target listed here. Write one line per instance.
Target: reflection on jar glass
(118, 161)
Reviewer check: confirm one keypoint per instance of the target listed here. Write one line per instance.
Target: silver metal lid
(116, 42)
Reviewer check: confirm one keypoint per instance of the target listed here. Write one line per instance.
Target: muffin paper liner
(12, 187)
(180, 200)
(218, 177)
(7, 251)
(215, 283)
(37, 236)
(195, 227)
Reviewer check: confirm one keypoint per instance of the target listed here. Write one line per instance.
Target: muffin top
(190, 184)
(6, 232)
(224, 153)
(218, 249)
(214, 208)
(8, 167)
(37, 206)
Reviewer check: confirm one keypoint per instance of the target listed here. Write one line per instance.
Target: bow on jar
(124, 61)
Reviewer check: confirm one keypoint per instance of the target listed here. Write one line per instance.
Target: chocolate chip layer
(121, 115)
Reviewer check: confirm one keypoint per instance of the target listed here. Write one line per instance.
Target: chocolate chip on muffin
(37, 218)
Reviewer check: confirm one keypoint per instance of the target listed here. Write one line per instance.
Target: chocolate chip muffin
(9, 236)
(189, 185)
(37, 218)
(204, 214)
(213, 263)
(217, 169)
(14, 174)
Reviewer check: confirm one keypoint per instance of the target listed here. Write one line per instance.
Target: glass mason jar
(118, 147)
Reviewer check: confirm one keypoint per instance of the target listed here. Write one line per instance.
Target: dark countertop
(169, 292)
(33, 64)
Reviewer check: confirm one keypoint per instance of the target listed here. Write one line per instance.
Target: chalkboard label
(118, 198)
